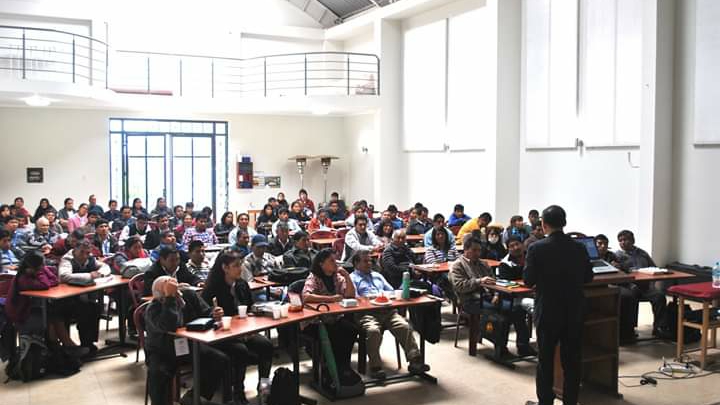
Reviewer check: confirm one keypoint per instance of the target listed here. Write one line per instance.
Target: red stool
(710, 299)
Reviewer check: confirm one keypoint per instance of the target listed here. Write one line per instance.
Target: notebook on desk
(599, 265)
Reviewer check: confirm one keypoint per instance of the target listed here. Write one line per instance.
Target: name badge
(182, 347)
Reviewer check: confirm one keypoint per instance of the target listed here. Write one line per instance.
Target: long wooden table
(67, 291)
(255, 324)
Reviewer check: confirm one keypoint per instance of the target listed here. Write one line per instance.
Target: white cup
(284, 310)
(226, 322)
(398, 294)
(242, 311)
(389, 294)
(276, 312)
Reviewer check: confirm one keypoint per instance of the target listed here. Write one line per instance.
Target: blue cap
(259, 241)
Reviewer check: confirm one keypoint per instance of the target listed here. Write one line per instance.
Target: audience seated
(92, 218)
(42, 209)
(169, 264)
(511, 266)
(495, 249)
(113, 212)
(335, 197)
(8, 260)
(281, 242)
(66, 212)
(477, 224)
(536, 233)
(441, 250)
(186, 224)
(171, 308)
(41, 239)
(468, 276)
(438, 223)
(125, 219)
(631, 257)
(79, 219)
(79, 265)
(167, 238)
(301, 254)
(284, 218)
(243, 223)
(282, 202)
(329, 283)
(321, 221)
(397, 222)
(93, 205)
(137, 208)
(224, 227)
(370, 284)
(197, 262)
(200, 232)
(227, 287)
(458, 217)
(306, 201)
(335, 213)
(420, 224)
(265, 220)
(242, 245)
(20, 210)
(62, 246)
(258, 262)
(161, 208)
(385, 231)
(132, 250)
(356, 211)
(104, 243)
(360, 238)
(516, 228)
(140, 227)
(55, 227)
(162, 225)
(396, 258)
(177, 219)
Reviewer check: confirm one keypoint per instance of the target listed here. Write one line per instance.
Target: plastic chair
(322, 234)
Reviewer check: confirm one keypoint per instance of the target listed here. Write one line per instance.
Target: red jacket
(17, 307)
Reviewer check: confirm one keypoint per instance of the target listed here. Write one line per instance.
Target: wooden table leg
(703, 333)
(713, 332)
(680, 327)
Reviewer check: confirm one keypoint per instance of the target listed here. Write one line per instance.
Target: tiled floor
(462, 380)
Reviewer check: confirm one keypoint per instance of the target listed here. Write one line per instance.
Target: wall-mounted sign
(34, 174)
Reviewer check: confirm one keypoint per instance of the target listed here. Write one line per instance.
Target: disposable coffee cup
(277, 312)
(226, 322)
(398, 294)
(242, 311)
(284, 310)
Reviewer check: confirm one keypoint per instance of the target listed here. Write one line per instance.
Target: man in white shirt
(243, 221)
(284, 218)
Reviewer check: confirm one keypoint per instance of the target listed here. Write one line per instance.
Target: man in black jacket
(396, 258)
(558, 267)
(281, 242)
(169, 310)
(152, 240)
(301, 255)
(169, 265)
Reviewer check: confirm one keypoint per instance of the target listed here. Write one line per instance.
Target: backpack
(494, 327)
(351, 384)
(284, 388)
(426, 318)
(30, 361)
(288, 275)
(133, 267)
(668, 328)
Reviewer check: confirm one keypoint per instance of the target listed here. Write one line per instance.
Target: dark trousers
(570, 339)
(516, 315)
(630, 296)
(86, 311)
(214, 370)
(256, 350)
(342, 334)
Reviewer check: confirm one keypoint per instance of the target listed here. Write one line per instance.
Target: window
(179, 160)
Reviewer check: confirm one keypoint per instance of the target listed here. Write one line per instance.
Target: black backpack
(284, 388)
(668, 328)
(30, 361)
(288, 275)
(494, 327)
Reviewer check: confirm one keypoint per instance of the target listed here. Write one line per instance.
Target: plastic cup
(226, 322)
(284, 310)
(398, 294)
(276, 312)
(242, 311)
(389, 294)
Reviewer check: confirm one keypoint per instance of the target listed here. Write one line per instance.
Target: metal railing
(311, 73)
(52, 55)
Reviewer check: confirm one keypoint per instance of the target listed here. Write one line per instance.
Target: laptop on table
(599, 265)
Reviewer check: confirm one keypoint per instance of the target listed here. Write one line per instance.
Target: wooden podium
(601, 336)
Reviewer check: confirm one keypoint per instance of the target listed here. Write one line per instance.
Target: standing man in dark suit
(557, 267)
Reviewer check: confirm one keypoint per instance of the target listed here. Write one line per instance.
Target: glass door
(145, 167)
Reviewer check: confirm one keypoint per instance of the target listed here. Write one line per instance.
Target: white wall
(360, 132)
(72, 146)
(696, 196)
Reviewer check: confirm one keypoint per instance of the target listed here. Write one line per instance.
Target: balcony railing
(51, 55)
(57, 56)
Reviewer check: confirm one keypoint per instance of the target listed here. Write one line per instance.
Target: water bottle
(406, 285)
(716, 275)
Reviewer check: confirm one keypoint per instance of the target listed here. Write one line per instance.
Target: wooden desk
(671, 275)
(258, 283)
(414, 238)
(255, 324)
(322, 242)
(444, 267)
(62, 291)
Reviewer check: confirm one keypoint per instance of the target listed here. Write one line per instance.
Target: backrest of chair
(339, 246)
(322, 234)
(139, 318)
(342, 232)
(136, 287)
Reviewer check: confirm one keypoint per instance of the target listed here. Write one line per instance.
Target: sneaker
(418, 367)
(377, 373)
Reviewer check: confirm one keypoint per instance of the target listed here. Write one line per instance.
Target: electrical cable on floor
(682, 370)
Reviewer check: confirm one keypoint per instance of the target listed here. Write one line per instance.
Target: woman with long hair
(441, 250)
(137, 208)
(385, 231)
(264, 221)
(33, 275)
(43, 207)
(329, 283)
(226, 285)
(495, 249)
(161, 208)
(225, 226)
